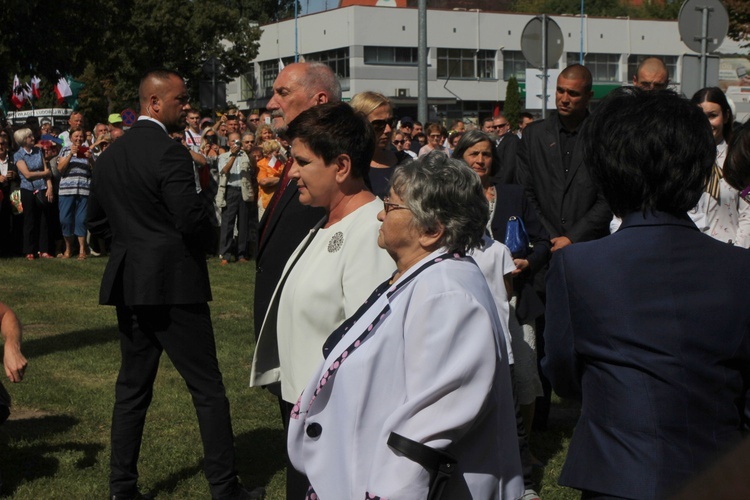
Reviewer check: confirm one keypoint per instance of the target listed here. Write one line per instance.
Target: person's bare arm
(14, 362)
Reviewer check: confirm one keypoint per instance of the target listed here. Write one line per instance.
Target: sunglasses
(254, 119)
(398, 142)
(502, 125)
(381, 124)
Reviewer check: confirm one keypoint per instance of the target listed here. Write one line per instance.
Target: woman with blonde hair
(377, 108)
(270, 168)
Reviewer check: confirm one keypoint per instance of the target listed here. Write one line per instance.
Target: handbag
(438, 463)
(516, 238)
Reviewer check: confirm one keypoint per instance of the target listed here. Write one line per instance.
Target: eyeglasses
(253, 119)
(398, 142)
(388, 206)
(502, 125)
(381, 124)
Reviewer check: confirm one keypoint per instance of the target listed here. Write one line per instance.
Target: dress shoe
(30, 256)
(243, 493)
(138, 496)
(224, 262)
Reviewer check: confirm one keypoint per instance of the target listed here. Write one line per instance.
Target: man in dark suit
(506, 149)
(649, 326)
(286, 221)
(550, 166)
(144, 196)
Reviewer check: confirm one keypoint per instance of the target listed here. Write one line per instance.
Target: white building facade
(471, 55)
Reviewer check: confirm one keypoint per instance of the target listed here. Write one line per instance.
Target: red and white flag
(62, 90)
(18, 96)
(35, 87)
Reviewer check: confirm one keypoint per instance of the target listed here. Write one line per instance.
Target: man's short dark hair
(332, 129)
(665, 168)
(488, 119)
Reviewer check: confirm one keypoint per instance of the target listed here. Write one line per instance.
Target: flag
(62, 90)
(281, 65)
(35, 87)
(18, 96)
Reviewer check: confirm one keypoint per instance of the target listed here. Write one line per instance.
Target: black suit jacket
(504, 159)
(568, 203)
(650, 326)
(143, 196)
(279, 234)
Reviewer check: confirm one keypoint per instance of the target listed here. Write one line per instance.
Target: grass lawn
(56, 444)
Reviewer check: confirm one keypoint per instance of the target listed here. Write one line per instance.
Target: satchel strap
(438, 463)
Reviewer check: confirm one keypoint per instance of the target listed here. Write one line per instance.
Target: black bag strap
(438, 463)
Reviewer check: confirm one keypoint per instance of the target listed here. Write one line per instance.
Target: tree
(111, 48)
(739, 20)
(512, 108)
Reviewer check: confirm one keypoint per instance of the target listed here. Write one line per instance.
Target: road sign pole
(704, 45)
(544, 65)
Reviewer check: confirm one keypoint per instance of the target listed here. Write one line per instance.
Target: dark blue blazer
(651, 328)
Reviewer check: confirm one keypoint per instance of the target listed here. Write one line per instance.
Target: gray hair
(318, 77)
(21, 134)
(442, 191)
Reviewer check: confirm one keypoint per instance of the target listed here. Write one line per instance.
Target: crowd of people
(421, 291)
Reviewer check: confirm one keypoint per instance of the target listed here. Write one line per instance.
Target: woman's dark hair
(737, 164)
(648, 151)
(717, 96)
(333, 129)
(470, 139)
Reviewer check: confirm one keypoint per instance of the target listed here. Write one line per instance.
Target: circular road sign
(531, 41)
(690, 23)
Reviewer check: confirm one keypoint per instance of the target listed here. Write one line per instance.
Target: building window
(514, 64)
(465, 63)
(603, 67)
(269, 70)
(337, 60)
(670, 61)
(396, 56)
(248, 84)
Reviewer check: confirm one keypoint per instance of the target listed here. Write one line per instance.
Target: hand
(50, 195)
(11, 175)
(73, 150)
(15, 364)
(3, 178)
(560, 242)
(235, 149)
(521, 266)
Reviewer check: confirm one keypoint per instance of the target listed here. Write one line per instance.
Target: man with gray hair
(286, 221)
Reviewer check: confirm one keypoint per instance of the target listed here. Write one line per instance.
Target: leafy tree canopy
(109, 44)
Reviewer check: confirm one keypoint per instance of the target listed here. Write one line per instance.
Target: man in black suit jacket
(144, 196)
(550, 166)
(286, 221)
(649, 326)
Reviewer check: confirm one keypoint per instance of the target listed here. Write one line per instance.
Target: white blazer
(434, 370)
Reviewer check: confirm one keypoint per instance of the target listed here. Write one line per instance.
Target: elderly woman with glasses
(436, 135)
(36, 194)
(418, 375)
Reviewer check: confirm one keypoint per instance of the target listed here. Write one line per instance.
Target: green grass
(56, 444)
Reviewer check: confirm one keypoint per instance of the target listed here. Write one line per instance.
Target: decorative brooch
(336, 241)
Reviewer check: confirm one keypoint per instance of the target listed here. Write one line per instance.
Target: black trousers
(297, 483)
(36, 218)
(186, 334)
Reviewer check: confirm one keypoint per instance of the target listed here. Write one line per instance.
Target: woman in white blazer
(335, 267)
(421, 365)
